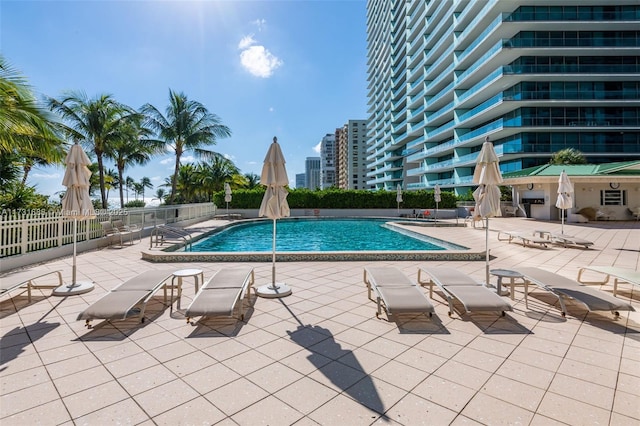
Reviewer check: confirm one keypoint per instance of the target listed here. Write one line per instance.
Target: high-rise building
(328, 161)
(535, 76)
(351, 169)
(301, 180)
(312, 172)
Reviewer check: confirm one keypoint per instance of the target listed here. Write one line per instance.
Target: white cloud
(246, 42)
(271, 109)
(183, 160)
(157, 178)
(229, 157)
(256, 58)
(168, 160)
(46, 175)
(260, 23)
(318, 147)
(259, 61)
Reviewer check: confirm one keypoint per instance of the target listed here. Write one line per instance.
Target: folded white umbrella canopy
(487, 196)
(398, 195)
(565, 200)
(76, 204)
(436, 196)
(274, 206)
(227, 196)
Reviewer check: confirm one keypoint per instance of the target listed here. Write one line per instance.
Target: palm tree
(568, 156)
(253, 180)
(132, 147)
(160, 193)
(24, 124)
(128, 183)
(186, 125)
(214, 174)
(97, 122)
(145, 182)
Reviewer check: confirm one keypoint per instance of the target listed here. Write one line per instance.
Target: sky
(295, 69)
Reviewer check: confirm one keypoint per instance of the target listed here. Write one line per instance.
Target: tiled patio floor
(320, 356)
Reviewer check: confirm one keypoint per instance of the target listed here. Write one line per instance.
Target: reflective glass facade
(533, 76)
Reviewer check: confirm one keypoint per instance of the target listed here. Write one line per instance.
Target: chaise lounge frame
(527, 240)
(562, 287)
(128, 299)
(222, 294)
(619, 275)
(20, 279)
(396, 291)
(456, 285)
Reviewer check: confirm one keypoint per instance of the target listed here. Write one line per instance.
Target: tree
(132, 147)
(568, 156)
(160, 193)
(253, 180)
(98, 123)
(24, 124)
(128, 183)
(186, 126)
(214, 174)
(145, 182)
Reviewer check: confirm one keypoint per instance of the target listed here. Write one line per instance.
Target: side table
(506, 273)
(197, 274)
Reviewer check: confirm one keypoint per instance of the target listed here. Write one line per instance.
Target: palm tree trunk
(174, 179)
(120, 181)
(103, 194)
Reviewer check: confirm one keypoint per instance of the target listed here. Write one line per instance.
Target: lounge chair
(560, 286)
(619, 275)
(526, 239)
(133, 229)
(398, 293)
(565, 240)
(127, 299)
(454, 284)
(30, 279)
(222, 293)
(110, 231)
(168, 234)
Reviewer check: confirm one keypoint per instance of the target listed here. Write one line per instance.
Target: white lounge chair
(127, 299)
(222, 294)
(565, 240)
(399, 294)
(561, 287)
(630, 276)
(30, 279)
(110, 231)
(455, 284)
(525, 238)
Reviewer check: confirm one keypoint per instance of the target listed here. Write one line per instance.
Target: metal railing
(25, 231)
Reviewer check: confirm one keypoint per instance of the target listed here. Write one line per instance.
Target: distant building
(328, 161)
(300, 180)
(351, 169)
(312, 172)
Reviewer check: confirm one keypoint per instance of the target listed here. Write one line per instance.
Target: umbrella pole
(562, 226)
(436, 211)
(486, 245)
(75, 238)
(273, 258)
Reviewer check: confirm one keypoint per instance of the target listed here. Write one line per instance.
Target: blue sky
(292, 69)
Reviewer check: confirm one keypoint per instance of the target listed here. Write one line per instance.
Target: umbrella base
(271, 291)
(73, 289)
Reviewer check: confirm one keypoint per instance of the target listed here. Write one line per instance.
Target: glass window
(613, 198)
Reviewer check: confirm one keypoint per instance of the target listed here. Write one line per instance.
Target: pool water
(311, 235)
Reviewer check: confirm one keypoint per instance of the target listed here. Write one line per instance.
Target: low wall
(441, 213)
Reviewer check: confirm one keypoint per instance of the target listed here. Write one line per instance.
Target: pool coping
(170, 255)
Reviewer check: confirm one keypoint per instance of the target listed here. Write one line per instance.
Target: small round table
(506, 273)
(198, 276)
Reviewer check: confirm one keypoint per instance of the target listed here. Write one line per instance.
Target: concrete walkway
(320, 356)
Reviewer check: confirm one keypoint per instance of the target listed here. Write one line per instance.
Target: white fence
(26, 231)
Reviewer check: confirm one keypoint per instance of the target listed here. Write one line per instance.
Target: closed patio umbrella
(76, 204)
(487, 196)
(398, 195)
(227, 196)
(274, 206)
(565, 200)
(437, 198)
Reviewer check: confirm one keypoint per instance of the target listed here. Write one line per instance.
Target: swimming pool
(313, 235)
(415, 230)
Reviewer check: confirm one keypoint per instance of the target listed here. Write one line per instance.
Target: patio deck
(320, 356)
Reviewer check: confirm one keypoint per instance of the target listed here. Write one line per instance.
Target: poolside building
(301, 180)
(533, 76)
